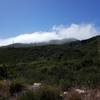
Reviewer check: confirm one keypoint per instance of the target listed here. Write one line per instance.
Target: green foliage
(50, 93)
(29, 95)
(66, 65)
(65, 84)
(3, 72)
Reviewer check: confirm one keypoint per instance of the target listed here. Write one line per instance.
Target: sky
(29, 21)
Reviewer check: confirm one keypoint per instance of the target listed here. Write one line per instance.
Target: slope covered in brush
(68, 64)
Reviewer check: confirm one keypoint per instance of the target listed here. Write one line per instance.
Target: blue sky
(22, 16)
(27, 16)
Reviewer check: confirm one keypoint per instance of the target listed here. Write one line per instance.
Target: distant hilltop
(51, 42)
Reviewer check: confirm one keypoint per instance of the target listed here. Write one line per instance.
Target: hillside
(69, 64)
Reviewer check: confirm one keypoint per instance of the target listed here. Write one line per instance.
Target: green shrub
(50, 93)
(65, 84)
(29, 96)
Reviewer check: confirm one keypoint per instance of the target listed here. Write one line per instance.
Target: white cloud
(77, 31)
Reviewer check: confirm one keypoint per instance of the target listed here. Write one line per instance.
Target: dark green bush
(16, 86)
(50, 93)
(29, 96)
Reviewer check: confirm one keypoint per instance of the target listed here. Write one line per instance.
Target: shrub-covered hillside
(69, 64)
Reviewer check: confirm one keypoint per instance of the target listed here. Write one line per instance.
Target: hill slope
(69, 64)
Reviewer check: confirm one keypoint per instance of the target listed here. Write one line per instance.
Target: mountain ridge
(51, 42)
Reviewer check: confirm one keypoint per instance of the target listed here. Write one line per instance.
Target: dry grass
(74, 96)
(93, 94)
(89, 94)
(4, 88)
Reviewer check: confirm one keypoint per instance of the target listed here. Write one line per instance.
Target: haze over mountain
(51, 42)
(74, 31)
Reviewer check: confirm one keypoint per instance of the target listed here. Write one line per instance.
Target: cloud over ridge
(77, 31)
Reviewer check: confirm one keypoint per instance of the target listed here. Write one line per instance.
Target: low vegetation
(68, 65)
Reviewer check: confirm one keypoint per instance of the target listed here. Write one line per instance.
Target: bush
(65, 84)
(74, 96)
(50, 93)
(16, 86)
(29, 96)
(45, 93)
